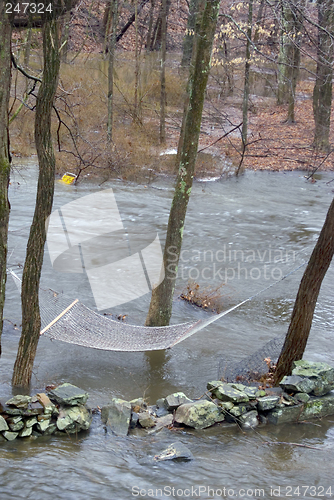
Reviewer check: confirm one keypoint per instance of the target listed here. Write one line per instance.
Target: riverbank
(135, 153)
(304, 395)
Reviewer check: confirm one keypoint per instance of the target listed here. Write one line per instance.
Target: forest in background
(278, 46)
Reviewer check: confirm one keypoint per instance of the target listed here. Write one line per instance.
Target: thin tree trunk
(199, 16)
(31, 321)
(150, 27)
(137, 66)
(162, 296)
(259, 19)
(322, 93)
(27, 47)
(247, 71)
(65, 36)
(163, 72)
(111, 58)
(188, 40)
(289, 56)
(131, 20)
(302, 314)
(5, 76)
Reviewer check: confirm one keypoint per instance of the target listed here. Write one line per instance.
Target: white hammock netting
(77, 324)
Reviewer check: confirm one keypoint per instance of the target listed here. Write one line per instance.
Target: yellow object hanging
(68, 178)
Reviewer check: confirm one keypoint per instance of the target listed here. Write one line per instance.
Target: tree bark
(163, 72)
(150, 27)
(302, 314)
(5, 77)
(31, 321)
(111, 60)
(65, 36)
(245, 101)
(188, 40)
(322, 92)
(198, 23)
(289, 56)
(162, 296)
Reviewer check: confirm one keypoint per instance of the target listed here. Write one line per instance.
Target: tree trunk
(289, 56)
(163, 72)
(27, 47)
(150, 26)
(5, 76)
(31, 321)
(162, 296)
(111, 59)
(198, 23)
(137, 100)
(302, 314)
(247, 70)
(322, 93)
(190, 32)
(65, 36)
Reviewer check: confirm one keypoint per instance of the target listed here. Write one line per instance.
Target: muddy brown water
(250, 231)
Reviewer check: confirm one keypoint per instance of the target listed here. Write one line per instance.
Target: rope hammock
(75, 323)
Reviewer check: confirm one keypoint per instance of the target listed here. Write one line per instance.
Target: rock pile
(303, 395)
(62, 410)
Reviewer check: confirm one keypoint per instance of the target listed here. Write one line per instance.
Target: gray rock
(53, 427)
(249, 420)
(176, 451)
(117, 416)
(26, 432)
(43, 425)
(164, 421)
(3, 424)
(252, 392)
(68, 394)
(19, 401)
(173, 401)
(134, 419)
(321, 374)
(263, 419)
(15, 423)
(160, 409)
(225, 405)
(302, 397)
(316, 407)
(199, 415)
(31, 421)
(10, 436)
(267, 403)
(146, 420)
(225, 392)
(161, 412)
(295, 383)
(74, 419)
(238, 387)
(138, 405)
(14, 411)
(238, 410)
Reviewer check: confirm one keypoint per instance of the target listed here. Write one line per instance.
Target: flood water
(249, 232)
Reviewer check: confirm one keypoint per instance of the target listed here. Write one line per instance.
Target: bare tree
(5, 77)
(292, 18)
(302, 314)
(162, 296)
(322, 94)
